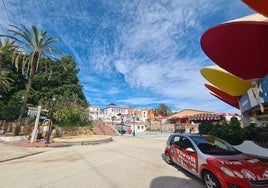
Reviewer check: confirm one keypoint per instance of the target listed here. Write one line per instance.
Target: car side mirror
(190, 150)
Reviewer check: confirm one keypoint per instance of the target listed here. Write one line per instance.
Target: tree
(232, 132)
(5, 47)
(164, 110)
(34, 45)
(64, 85)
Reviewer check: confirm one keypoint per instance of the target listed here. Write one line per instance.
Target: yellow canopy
(226, 81)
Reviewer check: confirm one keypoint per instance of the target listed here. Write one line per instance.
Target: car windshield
(214, 146)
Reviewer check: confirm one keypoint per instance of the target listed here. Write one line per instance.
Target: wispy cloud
(133, 52)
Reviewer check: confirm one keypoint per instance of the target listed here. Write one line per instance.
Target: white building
(95, 113)
(115, 111)
(144, 115)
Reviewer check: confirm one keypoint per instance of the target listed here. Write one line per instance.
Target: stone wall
(71, 131)
(156, 126)
(9, 127)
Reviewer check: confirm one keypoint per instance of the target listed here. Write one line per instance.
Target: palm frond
(5, 81)
(17, 62)
(24, 62)
(22, 32)
(33, 45)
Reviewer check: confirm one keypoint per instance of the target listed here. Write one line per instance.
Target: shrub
(233, 133)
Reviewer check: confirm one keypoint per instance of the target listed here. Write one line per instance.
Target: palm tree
(33, 45)
(5, 47)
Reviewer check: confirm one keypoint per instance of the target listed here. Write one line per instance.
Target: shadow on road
(173, 182)
(177, 180)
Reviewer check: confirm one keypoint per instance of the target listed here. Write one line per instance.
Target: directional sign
(32, 111)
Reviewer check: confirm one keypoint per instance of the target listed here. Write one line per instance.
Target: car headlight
(231, 173)
(238, 174)
(227, 171)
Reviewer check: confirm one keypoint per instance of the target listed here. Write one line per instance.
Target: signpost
(36, 111)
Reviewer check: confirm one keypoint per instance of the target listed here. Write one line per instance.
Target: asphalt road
(125, 162)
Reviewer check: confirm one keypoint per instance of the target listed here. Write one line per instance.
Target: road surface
(125, 162)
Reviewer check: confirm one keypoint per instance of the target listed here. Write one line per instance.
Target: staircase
(99, 128)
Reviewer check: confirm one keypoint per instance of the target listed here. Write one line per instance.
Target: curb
(92, 142)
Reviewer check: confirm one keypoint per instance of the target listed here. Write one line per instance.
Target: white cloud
(113, 91)
(147, 46)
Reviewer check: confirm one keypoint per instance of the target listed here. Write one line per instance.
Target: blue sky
(132, 52)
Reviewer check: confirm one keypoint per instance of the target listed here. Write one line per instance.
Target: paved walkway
(56, 142)
(10, 151)
(22, 147)
(18, 147)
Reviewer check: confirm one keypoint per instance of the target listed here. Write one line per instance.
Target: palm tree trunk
(23, 106)
(26, 95)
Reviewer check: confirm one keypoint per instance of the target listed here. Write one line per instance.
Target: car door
(174, 147)
(187, 155)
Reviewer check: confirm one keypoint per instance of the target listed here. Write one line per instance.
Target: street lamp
(121, 122)
(113, 118)
(52, 108)
(150, 125)
(133, 122)
(51, 117)
(160, 125)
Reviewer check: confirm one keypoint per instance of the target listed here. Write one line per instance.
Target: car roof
(191, 135)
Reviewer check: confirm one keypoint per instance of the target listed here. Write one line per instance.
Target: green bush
(233, 133)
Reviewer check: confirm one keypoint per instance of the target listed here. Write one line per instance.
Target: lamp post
(160, 125)
(52, 108)
(121, 122)
(133, 122)
(150, 126)
(51, 117)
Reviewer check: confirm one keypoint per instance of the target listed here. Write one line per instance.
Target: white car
(215, 161)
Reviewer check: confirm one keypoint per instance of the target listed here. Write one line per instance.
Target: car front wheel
(210, 180)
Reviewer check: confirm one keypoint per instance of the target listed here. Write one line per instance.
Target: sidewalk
(11, 152)
(24, 142)
(18, 147)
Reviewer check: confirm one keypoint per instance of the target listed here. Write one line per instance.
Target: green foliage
(59, 80)
(6, 79)
(251, 132)
(232, 132)
(75, 116)
(164, 110)
(10, 111)
(205, 126)
(29, 46)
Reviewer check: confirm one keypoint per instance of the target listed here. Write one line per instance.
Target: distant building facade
(114, 111)
(95, 113)
(190, 117)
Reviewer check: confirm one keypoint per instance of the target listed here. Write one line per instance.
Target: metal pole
(50, 122)
(134, 131)
(160, 125)
(48, 132)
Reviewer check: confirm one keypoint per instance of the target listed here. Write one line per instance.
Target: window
(186, 143)
(175, 140)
